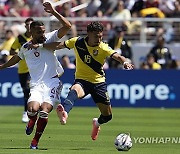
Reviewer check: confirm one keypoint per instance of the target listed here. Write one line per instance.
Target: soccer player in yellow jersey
(90, 54)
(23, 71)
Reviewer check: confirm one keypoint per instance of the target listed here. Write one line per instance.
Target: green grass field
(74, 138)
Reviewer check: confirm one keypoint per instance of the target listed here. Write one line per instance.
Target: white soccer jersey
(42, 63)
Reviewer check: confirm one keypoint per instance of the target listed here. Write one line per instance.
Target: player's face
(27, 26)
(95, 38)
(38, 34)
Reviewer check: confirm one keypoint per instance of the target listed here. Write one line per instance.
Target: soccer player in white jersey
(44, 68)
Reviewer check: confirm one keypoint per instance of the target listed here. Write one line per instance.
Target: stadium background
(147, 94)
(142, 38)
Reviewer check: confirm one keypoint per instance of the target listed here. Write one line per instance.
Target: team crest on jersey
(95, 52)
(36, 54)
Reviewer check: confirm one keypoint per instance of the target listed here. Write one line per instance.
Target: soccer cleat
(95, 130)
(34, 144)
(33, 147)
(29, 127)
(29, 130)
(25, 117)
(62, 114)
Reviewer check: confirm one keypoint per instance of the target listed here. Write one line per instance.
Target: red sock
(32, 121)
(41, 124)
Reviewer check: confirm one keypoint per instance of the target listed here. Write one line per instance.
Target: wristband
(125, 63)
(40, 46)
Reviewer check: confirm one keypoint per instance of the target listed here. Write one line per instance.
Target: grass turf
(74, 138)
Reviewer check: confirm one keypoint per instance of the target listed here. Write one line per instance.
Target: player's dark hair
(161, 38)
(28, 20)
(36, 23)
(95, 26)
(9, 31)
(150, 55)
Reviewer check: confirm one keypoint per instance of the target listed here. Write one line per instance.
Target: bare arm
(49, 46)
(54, 45)
(66, 24)
(14, 60)
(123, 61)
(13, 52)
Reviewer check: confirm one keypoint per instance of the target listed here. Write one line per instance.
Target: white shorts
(48, 92)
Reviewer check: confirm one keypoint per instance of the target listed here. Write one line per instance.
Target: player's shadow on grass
(23, 148)
(76, 149)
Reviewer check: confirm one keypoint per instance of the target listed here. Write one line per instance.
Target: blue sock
(69, 101)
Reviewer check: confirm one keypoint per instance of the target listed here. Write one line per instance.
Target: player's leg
(26, 90)
(101, 98)
(49, 95)
(106, 115)
(34, 103)
(42, 121)
(76, 91)
(24, 80)
(33, 109)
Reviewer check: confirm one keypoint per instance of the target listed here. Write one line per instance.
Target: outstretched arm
(14, 60)
(54, 45)
(12, 52)
(50, 46)
(66, 24)
(123, 61)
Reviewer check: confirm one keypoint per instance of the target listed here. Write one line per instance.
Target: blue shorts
(98, 91)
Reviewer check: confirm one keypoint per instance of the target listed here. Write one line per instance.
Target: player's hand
(32, 46)
(1, 67)
(128, 66)
(48, 7)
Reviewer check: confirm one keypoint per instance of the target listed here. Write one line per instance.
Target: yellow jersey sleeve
(108, 50)
(22, 68)
(71, 42)
(16, 45)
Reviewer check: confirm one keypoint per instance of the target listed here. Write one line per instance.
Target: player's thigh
(101, 98)
(52, 90)
(79, 90)
(35, 96)
(104, 109)
(35, 99)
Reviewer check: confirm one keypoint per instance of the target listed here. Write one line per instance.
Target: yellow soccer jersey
(6, 45)
(89, 60)
(22, 68)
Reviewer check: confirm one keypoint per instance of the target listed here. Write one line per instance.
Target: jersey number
(87, 59)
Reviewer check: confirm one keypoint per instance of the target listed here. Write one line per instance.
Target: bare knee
(46, 107)
(79, 90)
(33, 106)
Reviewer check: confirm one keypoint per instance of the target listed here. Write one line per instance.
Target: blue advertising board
(136, 88)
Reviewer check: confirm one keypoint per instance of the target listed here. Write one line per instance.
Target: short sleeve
(71, 42)
(52, 36)
(108, 50)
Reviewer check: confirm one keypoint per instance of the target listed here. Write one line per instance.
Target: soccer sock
(97, 123)
(33, 117)
(69, 101)
(41, 124)
(104, 119)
